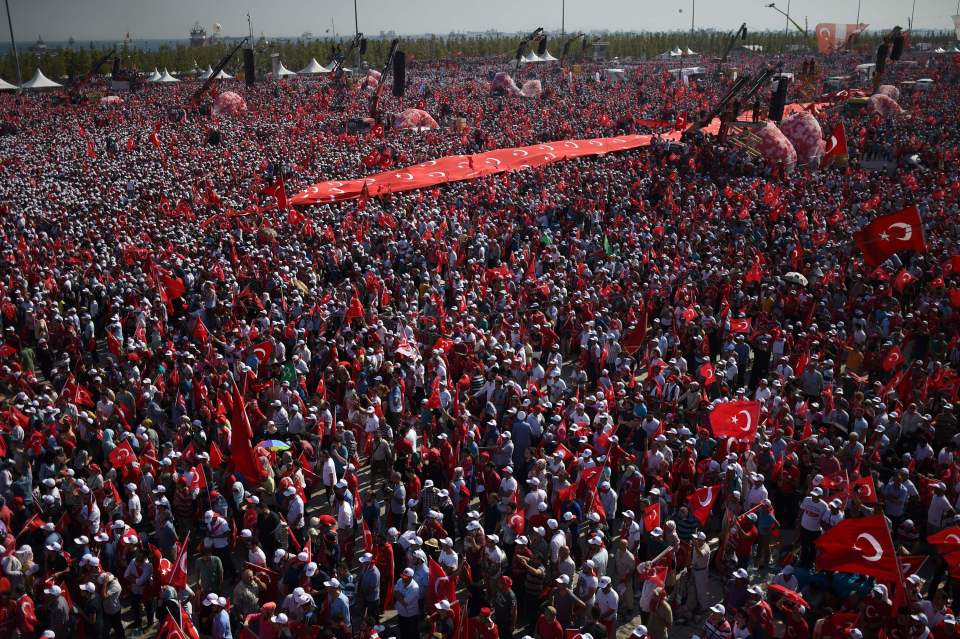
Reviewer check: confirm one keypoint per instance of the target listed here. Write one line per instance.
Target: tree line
(74, 61)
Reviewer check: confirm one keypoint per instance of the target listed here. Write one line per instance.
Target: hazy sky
(143, 19)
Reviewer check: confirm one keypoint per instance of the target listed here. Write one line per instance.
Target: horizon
(112, 20)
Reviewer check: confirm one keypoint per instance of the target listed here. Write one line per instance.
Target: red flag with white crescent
(861, 546)
(738, 419)
(701, 502)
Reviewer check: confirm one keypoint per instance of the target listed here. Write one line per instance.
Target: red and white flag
(651, 516)
(701, 502)
(738, 419)
(178, 573)
(861, 546)
(836, 148)
(865, 489)
(888, 234)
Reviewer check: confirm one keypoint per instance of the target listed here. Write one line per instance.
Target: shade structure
(40, 81)
(206, 73)
(6, 86)
(313, 68)
(223, 75)
(166, 77)
(154, 77)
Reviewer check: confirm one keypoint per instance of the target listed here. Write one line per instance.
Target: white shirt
(608, 602)
(295, 512)
(558, 539)
(219, 531)
(133, 509)
(812, 513)
(406, 597)
(345, 515)
(939, 505)
(257, 557)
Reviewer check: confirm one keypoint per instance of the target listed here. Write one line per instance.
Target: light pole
(13, 45)
(356, 20)
(858, 12)
(786, 25)
(693, 14)
(563, 15)
(912, 11)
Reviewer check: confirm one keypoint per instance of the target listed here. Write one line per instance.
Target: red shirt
(549, 629)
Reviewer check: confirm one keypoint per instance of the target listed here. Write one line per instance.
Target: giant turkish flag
(883, 237)
(860, 545)
(738, 419)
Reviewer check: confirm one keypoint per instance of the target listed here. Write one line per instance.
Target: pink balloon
(804, 132)
(414, 118)
(884, 105)
(229, 103)
(775, 147)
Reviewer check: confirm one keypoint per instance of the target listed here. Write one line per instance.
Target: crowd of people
(479, 410)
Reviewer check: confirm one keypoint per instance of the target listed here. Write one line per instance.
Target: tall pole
(356, 19)
(563, 15)
(13, 45)
(912, 11)
(693, 14)
(858, 11)
(786, 26)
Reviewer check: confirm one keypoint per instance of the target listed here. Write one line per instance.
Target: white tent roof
(676, 51)
(6, 86)
(313, 67)
(533, 57)
(206, 73)
(690, 51)
(939, 50)
(40, 81)
(155, 76)
(546, 57)
(223, 75)
(166, 77)
(283, 71)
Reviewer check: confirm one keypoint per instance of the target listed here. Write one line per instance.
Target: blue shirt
(339, 607)
(220, 628)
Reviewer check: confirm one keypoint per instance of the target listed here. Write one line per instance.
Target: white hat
(290, 491)
(53, 591)
(332, 583)
(366, 558)
(310, 569)
(605, 581)
(718, 609)
(280, 620)
(88, 587)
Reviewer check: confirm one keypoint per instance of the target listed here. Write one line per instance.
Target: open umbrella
(273, 445)
(792, 595)
(795, 278)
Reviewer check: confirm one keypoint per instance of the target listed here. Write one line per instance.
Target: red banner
(456, 168)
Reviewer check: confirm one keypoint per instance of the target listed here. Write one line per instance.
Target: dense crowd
(480, 410)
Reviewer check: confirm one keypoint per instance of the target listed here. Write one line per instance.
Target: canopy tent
(206, 73)
(532, 57)
(155, 76)
(223, 75)
(690, 51)
(40, 81)
(166, 77)
(280, 71)
(313, 68)
(6, 86)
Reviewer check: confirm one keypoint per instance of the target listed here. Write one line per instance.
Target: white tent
(206, 73)
(690, 51)
(39, 81)
(313, 67)
(283, 71)
(223, 75)
(939, 50)
(155, 76)
(166, 77)
(546, 57)
(676, 52)
(6, 86)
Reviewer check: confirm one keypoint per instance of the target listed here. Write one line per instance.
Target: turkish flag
(216, 456)
(122, 455)
(738, 419)
(903, 279)
(263, 351)
(865, 488)
(200, 332)
(651, 516)
(740, 325)
(173, 286)
(701, 502)
(241, 451)
(279, 191)
(888, 234)
(947, 539)
(952, 265)
(911, 564)
(837, 144)
(178, 573)
(861, 546)
(113, 344)
(892, 359)
(439, 585)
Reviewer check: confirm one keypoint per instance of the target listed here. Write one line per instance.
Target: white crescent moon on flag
(907, 230)
(831, 144)
(746, 428)
(706, 502)
(953, 539)
(261, 353)
(874, 545)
